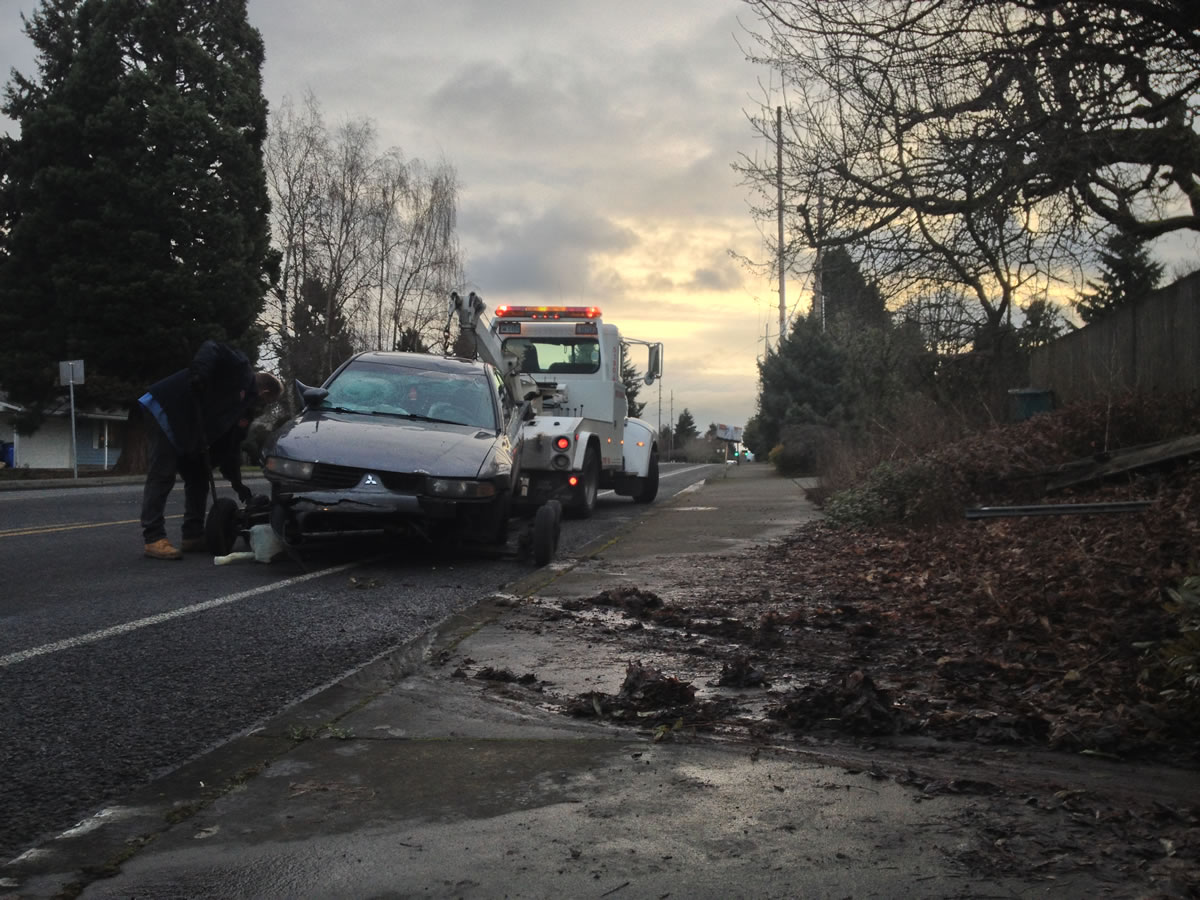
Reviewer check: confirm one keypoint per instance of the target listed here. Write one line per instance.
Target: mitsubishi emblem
(371, 479)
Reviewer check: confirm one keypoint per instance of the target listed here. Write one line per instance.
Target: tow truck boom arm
(487, 345)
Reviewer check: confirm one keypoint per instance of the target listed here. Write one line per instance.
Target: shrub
(1181, 655)
(911, 493)
(804, 450)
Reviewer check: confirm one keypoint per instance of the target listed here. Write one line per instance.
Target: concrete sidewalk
(408, 779)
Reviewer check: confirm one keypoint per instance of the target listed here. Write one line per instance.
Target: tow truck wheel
(583, 504)
(546, 524)
(648, 489)
(221, 527)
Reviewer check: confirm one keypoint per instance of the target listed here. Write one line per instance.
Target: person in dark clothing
(195, 419)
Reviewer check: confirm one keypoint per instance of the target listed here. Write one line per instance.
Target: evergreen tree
(685, 429)
(1127, 273)
(849, 299)
(311, 344)
(800, 383)
(411, 341)
(1042, 323)
(752, 437)
(134, 200)
(666, 437)
(632, 379)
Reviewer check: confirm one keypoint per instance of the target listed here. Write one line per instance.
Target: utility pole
(660, 406)
(818, 287)
(671, 443)
(779, 215)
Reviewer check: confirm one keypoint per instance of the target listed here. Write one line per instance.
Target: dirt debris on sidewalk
(1007, 658)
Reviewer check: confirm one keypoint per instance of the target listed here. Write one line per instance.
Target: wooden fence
(1150, 345)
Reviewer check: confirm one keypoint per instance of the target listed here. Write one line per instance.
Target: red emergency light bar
(548, 312)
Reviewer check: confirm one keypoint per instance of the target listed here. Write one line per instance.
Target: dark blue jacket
(199, 406)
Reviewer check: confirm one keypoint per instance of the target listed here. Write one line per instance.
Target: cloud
(551, 255)
(593, 145)
(722, 276)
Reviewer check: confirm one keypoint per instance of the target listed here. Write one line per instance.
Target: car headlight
(292, 469)
(459, 488)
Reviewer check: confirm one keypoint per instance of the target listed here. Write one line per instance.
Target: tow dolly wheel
(546, 525)
(221, 527)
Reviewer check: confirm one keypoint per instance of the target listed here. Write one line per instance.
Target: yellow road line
(71, 526)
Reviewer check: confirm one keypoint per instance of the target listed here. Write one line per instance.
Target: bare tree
(427, 264)
(364, 240)
(982, 142)
(292, 160)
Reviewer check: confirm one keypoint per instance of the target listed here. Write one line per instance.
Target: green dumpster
(1027, 402)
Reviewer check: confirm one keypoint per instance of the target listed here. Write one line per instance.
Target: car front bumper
(313, 515)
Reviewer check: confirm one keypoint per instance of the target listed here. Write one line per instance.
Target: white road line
(116, 630)
(684, 471)
(663, 475)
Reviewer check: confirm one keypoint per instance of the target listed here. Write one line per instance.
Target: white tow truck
(577, 436)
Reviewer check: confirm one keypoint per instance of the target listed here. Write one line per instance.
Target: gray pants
(164, 463)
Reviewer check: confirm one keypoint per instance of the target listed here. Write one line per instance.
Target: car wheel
(648, 489)
(583, 503)
(546, 525)
(221, 527)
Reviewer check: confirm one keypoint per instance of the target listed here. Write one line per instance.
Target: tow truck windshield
(560, 356)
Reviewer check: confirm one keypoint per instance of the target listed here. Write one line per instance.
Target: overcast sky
(593, 143)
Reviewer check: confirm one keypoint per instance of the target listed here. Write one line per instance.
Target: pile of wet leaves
(1038, 632)
(649, 697)
(1041, 632)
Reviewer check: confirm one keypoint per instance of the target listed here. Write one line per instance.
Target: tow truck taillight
(548, 312)
(562, 443)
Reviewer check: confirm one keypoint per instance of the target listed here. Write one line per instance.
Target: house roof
(64, 409)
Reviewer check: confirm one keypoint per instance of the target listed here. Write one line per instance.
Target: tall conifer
(134, 197)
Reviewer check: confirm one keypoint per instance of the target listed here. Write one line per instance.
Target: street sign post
(70, 372)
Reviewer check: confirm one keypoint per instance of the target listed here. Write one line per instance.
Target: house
(99, 437)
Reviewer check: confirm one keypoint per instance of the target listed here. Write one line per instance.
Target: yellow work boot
(193, 545)
(162, 549)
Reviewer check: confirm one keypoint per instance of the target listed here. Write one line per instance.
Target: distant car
(397, 443)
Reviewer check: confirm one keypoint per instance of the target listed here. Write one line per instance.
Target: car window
(465, 401)
(501, 389)
(360, 391)
(461, 398)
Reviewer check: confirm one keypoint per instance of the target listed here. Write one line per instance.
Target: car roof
(420, 361)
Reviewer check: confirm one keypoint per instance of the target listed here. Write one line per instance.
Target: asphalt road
(115, 668)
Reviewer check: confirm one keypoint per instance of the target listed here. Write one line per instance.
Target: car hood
(387, 444)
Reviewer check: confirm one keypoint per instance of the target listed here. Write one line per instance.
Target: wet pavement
(412, 778)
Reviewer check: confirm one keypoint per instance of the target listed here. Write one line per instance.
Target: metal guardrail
(1058, 509)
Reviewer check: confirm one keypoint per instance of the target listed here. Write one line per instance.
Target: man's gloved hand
(244, 493)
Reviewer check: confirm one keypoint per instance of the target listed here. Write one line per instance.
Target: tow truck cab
(576, 364)
(580, 436)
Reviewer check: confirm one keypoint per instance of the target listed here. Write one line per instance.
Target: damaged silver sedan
(397, 443)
